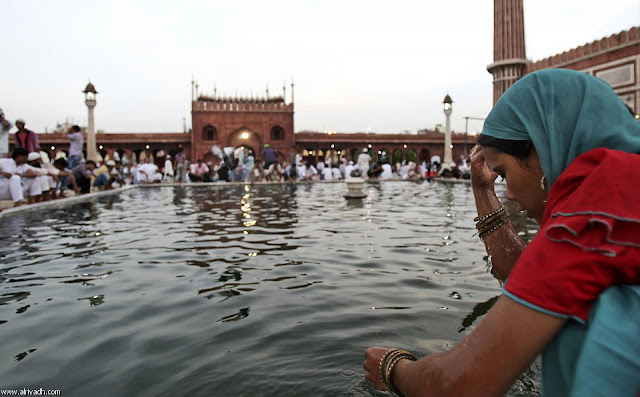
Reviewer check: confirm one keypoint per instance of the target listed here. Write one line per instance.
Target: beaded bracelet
(388, 362)
(489, 215)
(493, 228)
(489, 223)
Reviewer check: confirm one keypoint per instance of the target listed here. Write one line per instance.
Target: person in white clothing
(301, 170)
(336, 173)
(327, 174)
(14, 183)
(275, 172)
(168, 169)
(387, 171)
(311, 172)
(348, 170)
(148, 172)
(363, 163)
(10, 181)
(5, 127)
(45, 176)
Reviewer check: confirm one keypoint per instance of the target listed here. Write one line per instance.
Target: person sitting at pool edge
(13, 183)
(197, 171)
(64, 172)
(568, 149)
(83, 174)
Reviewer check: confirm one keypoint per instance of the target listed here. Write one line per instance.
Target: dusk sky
(357, 65)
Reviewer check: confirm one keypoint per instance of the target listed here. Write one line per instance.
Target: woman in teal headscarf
(568, 149)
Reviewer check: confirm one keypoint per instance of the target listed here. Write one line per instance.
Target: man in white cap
(363, 163)
(25, 138)
(44, 178)
(5, 126)
(106, 175)
(348, 170)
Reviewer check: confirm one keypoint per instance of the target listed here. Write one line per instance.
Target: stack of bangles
(491, 221)
(387, 362)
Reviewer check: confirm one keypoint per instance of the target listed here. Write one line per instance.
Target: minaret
(509, 58)
(292, 90)
(90, 100)
(284, 92)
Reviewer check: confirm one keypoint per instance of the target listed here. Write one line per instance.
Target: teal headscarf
(564, 113)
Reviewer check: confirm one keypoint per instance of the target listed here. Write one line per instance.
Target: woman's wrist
(388, 365)
(402, 374)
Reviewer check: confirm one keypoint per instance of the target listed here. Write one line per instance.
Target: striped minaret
(509, 59)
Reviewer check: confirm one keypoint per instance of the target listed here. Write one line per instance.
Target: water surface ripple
(271, 290)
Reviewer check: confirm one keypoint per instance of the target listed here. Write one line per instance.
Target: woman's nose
(510, 195)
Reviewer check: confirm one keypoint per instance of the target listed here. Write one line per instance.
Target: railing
(218, 106)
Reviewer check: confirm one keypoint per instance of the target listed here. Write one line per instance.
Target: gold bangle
(382, 363)
(388, 363)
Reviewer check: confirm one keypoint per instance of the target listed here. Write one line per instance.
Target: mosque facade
(248, 122)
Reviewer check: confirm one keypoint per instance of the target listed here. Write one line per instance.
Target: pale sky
(357, 65)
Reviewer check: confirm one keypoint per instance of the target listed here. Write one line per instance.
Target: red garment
(589, 238)
(28, 141)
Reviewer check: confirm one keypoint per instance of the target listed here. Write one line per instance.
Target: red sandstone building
(255, 122)
(614, 59)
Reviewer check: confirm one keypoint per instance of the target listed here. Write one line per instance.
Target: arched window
(209, 133)
(412, 155)
(398, 156)
(277, 133)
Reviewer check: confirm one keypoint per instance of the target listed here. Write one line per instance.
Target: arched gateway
(248, 122)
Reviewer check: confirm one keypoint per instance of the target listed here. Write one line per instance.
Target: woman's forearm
(503, 244)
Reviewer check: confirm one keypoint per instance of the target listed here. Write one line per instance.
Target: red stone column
(509, 55)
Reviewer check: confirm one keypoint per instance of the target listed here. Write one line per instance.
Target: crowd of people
(31, 174)
(240, 165)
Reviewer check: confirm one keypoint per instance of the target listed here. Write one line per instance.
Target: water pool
(268, 290)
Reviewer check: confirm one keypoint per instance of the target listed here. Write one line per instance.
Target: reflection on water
(239, 290)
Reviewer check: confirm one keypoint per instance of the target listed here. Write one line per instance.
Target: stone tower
(90, 100)
(509, 57)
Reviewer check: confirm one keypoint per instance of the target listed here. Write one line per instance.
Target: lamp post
(90, 100)
(448, 157)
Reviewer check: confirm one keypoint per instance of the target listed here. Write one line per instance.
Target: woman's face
(523, 179)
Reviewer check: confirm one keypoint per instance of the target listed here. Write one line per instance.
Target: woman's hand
(371, 365)
(482, 177)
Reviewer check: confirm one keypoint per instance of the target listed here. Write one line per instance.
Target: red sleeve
(589, 238)
(563, 279)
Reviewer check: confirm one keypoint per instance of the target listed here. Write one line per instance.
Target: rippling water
(271, 290)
